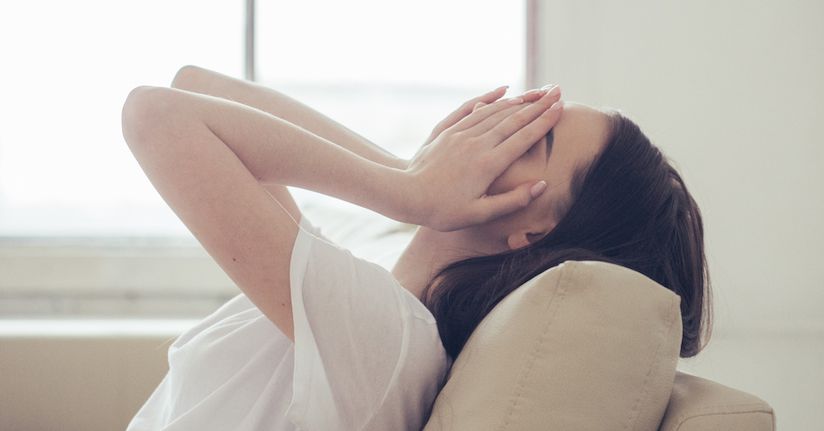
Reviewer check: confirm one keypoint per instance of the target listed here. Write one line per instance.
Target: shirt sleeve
(367, 353)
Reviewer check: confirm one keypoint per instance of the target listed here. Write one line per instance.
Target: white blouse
(366, 356)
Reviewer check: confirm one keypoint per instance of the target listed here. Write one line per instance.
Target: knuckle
(457, 136)
(439, 127)
(521, 117)
(502, 104)
(503, 114)
(508, 125)
(465, 140)
(498, 133)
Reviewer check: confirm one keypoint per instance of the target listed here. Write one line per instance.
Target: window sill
(93, 328)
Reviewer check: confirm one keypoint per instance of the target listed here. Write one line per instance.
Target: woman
(322, 340)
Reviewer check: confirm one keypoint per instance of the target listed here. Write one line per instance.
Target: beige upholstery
(586, 346)
(698, 404)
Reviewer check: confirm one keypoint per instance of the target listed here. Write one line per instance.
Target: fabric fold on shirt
(366, 356)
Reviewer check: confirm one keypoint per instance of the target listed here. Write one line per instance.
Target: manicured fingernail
(499, 88)
(537, 188)
(515, 101)
(556, 106)
(556, 90)
(548, 86)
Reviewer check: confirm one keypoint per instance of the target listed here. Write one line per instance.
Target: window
(82, 228)
(64, 168)
(389, 71)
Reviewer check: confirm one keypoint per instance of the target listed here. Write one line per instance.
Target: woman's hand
(463, 111)
(470, 106)
(448, 177)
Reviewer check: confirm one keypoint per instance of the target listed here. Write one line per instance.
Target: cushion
(583, 346)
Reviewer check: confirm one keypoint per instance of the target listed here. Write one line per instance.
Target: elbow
(142, 112)
(187, 77)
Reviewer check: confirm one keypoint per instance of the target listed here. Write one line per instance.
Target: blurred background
(97, 274)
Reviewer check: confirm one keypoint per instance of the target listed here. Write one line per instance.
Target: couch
(586, 346)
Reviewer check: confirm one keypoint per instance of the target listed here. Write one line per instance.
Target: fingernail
(537, 189)
(556, 90)
(515, 101)
(548, 86)
(556, 106)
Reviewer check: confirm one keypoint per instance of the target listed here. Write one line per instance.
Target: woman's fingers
(518, 120)
(491, 207)
(522, 140)
(467, 108)
(484, 112)
(496, 118)
(536, 93)
(469, 163)
(528, 96)
(489, 122)
(469, 105)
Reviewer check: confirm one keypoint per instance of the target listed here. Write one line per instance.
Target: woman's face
(575, 140)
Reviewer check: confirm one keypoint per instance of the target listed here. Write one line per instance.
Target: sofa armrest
(699, 404)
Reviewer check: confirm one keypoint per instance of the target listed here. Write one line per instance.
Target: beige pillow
(582, 346)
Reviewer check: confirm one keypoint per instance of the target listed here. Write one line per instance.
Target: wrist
(400, 192)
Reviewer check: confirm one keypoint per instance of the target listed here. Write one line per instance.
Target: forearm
(199, 80)
(276, 151)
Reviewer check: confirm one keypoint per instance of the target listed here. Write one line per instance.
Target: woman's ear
(517, 240)
(523, 238)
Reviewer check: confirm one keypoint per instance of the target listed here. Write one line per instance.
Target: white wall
(733, 91)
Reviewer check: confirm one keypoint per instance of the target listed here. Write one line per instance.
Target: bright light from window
(458, 44)
(388, 70)
(67, 69)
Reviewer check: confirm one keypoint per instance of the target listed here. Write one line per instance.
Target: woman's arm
(200, 80)
(204, 81)
(444, 186)
(207, 157)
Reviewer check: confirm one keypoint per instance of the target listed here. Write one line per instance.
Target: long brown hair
(629, 207)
